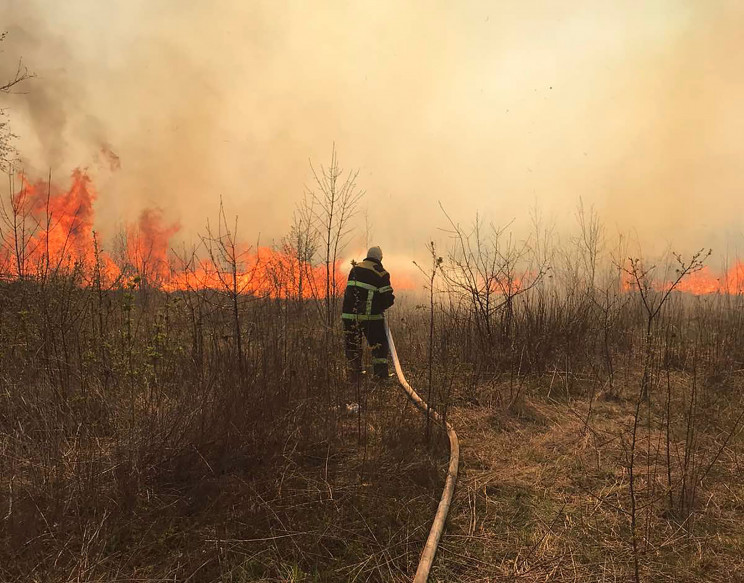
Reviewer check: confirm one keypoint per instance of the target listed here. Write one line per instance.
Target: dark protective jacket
(368, 291)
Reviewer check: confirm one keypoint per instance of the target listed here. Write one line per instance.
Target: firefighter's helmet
(375, 253)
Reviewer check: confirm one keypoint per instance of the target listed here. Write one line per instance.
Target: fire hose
(430, 548)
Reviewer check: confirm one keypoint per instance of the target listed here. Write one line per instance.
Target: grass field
(201, 433)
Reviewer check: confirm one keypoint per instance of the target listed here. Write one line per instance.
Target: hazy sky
(637, 107)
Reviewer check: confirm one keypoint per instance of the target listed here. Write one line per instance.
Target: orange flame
(147, 246)
(704, 281)
(403, 280)
(47, 228)
(267, 271)
(51, 230)
(701, 282)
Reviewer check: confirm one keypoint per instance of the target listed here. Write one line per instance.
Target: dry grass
(352, 507)
(544, 497)
(141, 441)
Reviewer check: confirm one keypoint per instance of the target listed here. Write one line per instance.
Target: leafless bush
(126, 402)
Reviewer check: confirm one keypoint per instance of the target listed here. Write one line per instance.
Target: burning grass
(49, 231)
(153, 428)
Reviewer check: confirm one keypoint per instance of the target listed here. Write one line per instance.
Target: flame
(701, 282)
(403, 280)
(49, 230)
(704, 281)
(627, 283)
(147, 245)
(265, 271)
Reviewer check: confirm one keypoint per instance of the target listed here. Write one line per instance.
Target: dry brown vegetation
(203, 435)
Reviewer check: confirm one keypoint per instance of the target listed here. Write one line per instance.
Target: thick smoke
(496, 107)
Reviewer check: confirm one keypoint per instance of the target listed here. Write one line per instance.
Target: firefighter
(368, 294)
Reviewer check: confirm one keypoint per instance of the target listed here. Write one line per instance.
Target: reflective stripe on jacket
(368, 291)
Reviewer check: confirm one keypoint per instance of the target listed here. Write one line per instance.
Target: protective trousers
(374, 332)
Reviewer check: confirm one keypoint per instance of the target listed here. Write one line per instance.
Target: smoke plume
(635, 108)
